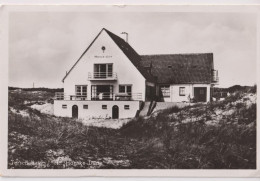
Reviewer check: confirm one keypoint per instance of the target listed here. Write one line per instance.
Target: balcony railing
(102, 96)
(116, 96)
(102, 76)
(62, 96)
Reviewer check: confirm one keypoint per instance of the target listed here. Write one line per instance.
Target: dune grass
(156, 142)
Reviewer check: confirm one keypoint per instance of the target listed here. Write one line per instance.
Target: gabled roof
(132, 55)
(180, 68)
(126, 49)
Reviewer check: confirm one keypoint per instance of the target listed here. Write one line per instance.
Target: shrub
(171, 110)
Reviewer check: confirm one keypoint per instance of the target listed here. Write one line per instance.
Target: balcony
(101, 96)
(102, 76)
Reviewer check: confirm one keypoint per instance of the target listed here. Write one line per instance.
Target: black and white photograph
(132, 90)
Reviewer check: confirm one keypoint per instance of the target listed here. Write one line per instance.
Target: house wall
(127, 73)
(189, 90)
(95, 107)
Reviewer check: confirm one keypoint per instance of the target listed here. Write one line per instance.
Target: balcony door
(103, 70)
(102, 92)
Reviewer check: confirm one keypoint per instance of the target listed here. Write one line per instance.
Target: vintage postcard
(129, 91)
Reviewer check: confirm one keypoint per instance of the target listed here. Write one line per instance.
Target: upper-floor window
(125, 89)
(182, 91)
(81, 90)
(103, 70)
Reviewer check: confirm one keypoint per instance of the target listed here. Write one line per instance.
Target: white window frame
(125, 87)
(165, 89)
(107, 73)
(182, 91)
(81, 93)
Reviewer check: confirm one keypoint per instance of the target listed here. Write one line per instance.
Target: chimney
(126, 38)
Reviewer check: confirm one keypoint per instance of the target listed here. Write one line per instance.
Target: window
(104, 106)
(85, 106)
(165, 90)
(182, 91)
(64, 106)
(81, 90)
(125, 89)
(103, 70)
(201, 91)
(127, 107)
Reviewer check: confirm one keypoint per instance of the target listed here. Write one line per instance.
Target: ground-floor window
(126, 107)
(165, 90)
(182, 91)
(85, 106)
(125, 89)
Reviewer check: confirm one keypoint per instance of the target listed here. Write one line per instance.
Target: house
(182, 77)
(111, 80)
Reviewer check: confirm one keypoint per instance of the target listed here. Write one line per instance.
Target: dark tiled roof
(132, 55)
(180, 68)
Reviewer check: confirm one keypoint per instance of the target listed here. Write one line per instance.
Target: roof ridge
(178, 54)
(112, 33)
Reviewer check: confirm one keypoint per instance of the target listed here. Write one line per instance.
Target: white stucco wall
(126, 71)
(95, 109)
(189, 90)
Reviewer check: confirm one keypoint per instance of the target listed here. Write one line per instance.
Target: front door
(75, 111)
(200, 94)
(115, 112)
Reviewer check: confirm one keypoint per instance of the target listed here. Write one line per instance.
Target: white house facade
(110, 80)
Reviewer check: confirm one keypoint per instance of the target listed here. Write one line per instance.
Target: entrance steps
(145, 109)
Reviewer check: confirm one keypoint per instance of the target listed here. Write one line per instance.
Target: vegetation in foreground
(220, 135)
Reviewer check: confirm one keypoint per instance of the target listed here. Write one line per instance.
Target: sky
(44, 45)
